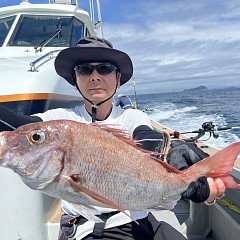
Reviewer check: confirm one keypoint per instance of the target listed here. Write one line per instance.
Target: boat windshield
(42, 31)
(5, 25)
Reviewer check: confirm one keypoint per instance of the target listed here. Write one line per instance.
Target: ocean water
(186, 111)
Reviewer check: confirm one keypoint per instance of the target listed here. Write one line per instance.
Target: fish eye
(37, 137)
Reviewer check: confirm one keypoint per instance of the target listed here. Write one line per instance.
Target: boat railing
(41, 60)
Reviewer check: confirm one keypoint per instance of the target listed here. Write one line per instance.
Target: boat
(148, 109)
(31, 36)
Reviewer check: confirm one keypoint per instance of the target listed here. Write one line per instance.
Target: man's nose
(95, 76)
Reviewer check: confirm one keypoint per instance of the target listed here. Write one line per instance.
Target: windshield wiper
(45, 42)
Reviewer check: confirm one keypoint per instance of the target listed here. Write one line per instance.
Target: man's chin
(98, 96)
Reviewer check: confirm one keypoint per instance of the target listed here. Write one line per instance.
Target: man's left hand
(217, 190)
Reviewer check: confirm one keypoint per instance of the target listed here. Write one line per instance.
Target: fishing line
(149, 139)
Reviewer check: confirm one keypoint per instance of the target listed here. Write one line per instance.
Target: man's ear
(118, 79)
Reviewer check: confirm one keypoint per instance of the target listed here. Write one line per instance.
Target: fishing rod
(207, 127)
(135, 94)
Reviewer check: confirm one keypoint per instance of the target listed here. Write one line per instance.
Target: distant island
(232, 88)
(200, 88)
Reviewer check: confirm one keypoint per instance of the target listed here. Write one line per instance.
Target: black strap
(99, 227)
(94, 113)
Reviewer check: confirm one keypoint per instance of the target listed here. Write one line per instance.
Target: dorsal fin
(124, 136)
(119, 133)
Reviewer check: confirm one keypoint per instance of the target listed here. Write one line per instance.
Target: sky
(174, 44)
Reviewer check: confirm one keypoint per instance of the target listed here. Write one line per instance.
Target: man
(98, 70)
(124, 101)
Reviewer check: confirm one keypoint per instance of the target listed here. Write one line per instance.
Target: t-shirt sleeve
(133, 118)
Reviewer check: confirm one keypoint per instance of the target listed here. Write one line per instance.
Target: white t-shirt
(127, 120)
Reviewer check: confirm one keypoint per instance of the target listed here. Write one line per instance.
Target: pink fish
(97, 165)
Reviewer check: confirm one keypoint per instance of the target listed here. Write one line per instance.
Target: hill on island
(200, 88)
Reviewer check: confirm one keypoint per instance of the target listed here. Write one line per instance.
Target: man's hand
(205, 190)
(217, 189)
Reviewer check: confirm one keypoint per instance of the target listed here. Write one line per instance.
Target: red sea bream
(96, 165)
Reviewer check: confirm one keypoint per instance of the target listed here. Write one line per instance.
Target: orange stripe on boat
(37, 96)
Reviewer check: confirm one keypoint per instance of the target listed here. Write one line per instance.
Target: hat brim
(68, 58)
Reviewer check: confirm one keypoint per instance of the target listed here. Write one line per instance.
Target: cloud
(183, 43)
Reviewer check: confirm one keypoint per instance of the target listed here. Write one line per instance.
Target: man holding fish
(97, 70)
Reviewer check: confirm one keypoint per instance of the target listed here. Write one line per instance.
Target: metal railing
(42, 60)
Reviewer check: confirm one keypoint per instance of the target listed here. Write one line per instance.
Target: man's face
(95, 86)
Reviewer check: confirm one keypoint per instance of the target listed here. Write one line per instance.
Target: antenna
(98, 23)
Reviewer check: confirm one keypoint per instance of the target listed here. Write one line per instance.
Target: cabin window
(42, 31)
(5, 25)
(77, 32)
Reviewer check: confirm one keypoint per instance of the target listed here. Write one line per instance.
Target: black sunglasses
(103, 68)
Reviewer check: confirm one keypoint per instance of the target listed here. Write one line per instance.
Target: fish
(100, 165)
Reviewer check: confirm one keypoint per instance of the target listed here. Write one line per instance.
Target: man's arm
(151, 139)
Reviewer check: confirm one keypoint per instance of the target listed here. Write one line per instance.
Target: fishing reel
(209, 127)
(206, 127)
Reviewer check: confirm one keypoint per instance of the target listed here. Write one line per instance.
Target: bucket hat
(92, 49)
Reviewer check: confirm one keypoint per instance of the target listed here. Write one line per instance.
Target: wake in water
(184, 112)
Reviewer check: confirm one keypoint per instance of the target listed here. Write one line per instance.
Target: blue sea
(186, 111)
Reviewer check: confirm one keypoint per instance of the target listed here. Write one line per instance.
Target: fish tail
(219, 165)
